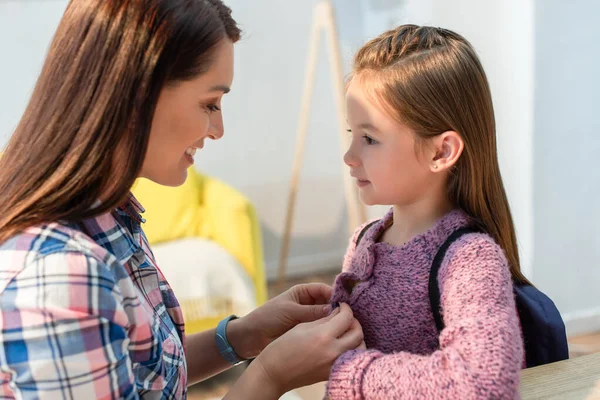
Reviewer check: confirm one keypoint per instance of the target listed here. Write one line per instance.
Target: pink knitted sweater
(479, 353)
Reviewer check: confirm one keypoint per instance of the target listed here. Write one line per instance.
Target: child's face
(383, 156)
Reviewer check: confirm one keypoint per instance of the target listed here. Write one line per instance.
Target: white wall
(26, 28)
(567, 146)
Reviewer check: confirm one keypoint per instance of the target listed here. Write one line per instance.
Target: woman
(130, 88)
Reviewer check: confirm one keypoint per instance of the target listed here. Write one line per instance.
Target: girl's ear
(446, 149)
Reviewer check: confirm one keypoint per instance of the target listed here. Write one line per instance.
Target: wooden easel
(323, 20)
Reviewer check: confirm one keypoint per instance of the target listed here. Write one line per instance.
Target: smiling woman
(130, 88)
(187, 113)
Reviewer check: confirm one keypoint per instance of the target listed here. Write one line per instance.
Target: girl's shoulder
(474, 244)
(475, 254)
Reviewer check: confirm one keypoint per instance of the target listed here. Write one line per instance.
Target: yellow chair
(206, 208)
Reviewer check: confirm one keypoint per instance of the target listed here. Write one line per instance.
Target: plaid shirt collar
(122, 239)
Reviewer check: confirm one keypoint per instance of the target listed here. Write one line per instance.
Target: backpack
(544, 333)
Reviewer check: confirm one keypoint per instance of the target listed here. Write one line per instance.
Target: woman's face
(187, 113)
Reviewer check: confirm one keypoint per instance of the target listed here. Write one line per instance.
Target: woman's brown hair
(432, 80)
(84, 133)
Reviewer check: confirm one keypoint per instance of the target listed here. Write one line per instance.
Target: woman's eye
(213, 108)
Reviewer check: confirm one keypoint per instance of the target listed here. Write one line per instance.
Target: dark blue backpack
(544, 332)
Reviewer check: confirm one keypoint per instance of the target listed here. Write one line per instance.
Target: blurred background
(542, 62)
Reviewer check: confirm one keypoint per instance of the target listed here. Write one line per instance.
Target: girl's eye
(369, 140)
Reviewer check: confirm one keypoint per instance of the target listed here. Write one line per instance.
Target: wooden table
(564, 380)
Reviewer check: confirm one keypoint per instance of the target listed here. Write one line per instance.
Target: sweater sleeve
(481, 349)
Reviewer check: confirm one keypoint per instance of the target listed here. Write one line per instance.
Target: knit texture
(479, 353)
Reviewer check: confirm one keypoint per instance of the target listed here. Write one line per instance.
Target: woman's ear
(447, 148)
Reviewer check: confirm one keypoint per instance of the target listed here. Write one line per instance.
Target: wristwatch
(223, 344)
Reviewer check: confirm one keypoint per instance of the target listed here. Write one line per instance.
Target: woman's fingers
(353, 338)
(311, 293)
(339, 321)
(305, 354)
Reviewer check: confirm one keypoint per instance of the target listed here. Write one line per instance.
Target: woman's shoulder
(61, 247)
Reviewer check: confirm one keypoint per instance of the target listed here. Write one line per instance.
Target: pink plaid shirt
(87, 314)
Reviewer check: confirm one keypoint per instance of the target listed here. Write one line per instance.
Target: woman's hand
(305, 354)
(301, 303)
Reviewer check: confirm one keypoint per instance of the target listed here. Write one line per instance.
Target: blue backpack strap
(364, 230)
(434, 290)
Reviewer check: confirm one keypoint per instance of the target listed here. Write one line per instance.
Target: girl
(423, 139)
(130, 88)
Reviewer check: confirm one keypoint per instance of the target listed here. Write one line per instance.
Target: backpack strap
(434, 290)
(364, 230)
